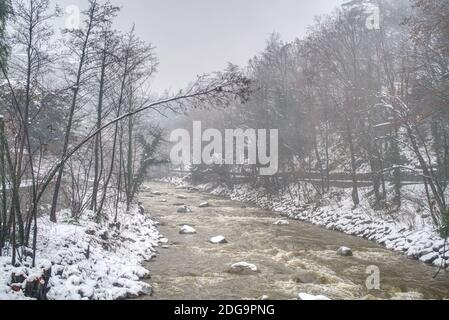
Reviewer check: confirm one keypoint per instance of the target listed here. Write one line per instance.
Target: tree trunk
(68, 131)
(355, 189)
(97, 176)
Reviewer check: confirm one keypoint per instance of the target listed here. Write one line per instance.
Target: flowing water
(294, 258)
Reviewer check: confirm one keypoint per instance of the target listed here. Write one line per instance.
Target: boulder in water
(187, 230)
(344, 252)
(184, 209)
(429, 258)
(309, 297)
(204, 205)
(243, 268)
(182, 197)
(218, 240)
(282, 223)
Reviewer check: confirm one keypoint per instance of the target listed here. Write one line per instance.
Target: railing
(336, 179)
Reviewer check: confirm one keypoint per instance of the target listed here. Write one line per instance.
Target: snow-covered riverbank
(87, 260)
(411, 233)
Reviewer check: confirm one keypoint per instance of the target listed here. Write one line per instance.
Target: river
(294, 258)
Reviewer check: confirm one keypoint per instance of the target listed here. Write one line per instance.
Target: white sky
(200, 36)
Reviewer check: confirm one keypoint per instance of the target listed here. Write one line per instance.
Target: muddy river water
(294, 258)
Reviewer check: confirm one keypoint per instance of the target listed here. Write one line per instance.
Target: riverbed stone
(309, 297)
(184, 209)
(204, 205)
(282, 223)
(429, 258)
(344, 252)
(243, 268)
(181, 197)
(218, 240)
(187, 230)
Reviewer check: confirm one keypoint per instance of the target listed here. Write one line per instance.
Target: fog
(200, 36)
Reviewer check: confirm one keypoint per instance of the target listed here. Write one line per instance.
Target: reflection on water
(295, 258)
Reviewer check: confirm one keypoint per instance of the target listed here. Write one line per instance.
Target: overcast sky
(200, 36)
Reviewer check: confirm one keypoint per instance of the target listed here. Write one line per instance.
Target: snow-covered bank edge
(87, 260)
(335, 212)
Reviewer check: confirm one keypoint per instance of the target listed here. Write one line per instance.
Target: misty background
(201, 36)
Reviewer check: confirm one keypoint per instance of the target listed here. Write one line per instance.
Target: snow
(309, 297)
(345, 252)
(243, 268)
(204, 205)
(282, 223)
(187, 230)
(218, 240)
(89, 261)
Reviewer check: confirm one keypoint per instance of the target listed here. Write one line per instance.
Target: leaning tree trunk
(97, 175)
(68, 131)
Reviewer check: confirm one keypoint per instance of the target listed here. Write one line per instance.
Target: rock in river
(344, 252)
(429, 258)
(243, 268)
(184, 209)
(187, 230)
(204, 205)
(282, 223)
(181, 197)
(218, 240)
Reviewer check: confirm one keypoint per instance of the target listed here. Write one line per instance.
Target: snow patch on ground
(89, 261)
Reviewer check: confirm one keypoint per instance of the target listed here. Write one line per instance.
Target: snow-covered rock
(308, 297)
(88, 265)
(344, 252)
(243, 268)
(282, 223)
(429, 258)
(187, 230)
(184, 209)
(204, 205)
(218, 240)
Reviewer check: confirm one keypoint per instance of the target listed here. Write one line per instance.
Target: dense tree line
(71, 137)
(356, 100)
